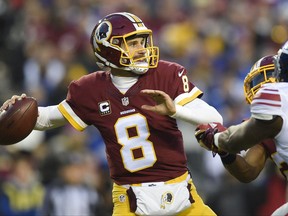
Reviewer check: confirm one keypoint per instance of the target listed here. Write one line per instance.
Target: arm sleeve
(197, 112)
(48, 118)
(267, 103)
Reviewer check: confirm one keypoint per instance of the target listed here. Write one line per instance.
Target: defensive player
(134, 102)
(248, 166)
(267, 126)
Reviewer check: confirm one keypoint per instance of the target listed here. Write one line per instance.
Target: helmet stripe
(137, 22)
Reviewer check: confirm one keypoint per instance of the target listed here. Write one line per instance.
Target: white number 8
(139, 141)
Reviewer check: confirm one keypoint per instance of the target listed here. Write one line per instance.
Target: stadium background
(44, 44)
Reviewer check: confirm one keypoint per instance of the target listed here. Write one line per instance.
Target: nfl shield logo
(125, 101)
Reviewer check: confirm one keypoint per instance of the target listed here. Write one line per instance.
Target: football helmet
(109, 41)
(263, 71)
(281, 63)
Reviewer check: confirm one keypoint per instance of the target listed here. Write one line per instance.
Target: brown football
(18, 120)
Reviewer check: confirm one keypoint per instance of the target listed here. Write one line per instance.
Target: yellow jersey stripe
(189, 98)
(71, 120)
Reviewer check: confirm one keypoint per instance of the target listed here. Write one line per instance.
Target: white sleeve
(49, 117)
(197, 112)
(268, 101)
(262, 116)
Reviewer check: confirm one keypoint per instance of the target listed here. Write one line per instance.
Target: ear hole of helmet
(116, 41)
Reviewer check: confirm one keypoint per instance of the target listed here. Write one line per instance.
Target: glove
(281, 63)
(204, 134)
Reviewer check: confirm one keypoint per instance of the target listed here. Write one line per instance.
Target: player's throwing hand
(12, 100)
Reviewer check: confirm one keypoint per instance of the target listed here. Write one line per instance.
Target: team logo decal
(166, 198)
(103, 31)
(104, 108)
(125, 101)
(122, 198)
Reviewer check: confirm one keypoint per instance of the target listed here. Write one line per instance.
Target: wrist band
(228, 158)
(216, 136)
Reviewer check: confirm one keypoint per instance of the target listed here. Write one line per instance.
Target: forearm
(197, 112)
(235, 139)
(241, 170)
(48, 118)
(247, 134)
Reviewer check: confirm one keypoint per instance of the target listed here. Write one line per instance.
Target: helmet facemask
(257, 77)
(135, 62)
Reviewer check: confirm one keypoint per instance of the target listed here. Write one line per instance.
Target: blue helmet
(281, 64)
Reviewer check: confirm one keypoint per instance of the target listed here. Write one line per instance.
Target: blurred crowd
(44, 44)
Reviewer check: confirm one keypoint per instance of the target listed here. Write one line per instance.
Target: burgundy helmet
(263, 71)
(109, 41)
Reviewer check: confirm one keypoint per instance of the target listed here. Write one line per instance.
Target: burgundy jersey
(141, 146)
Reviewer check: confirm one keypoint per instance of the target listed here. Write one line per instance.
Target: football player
(135, 101)
(263, 135)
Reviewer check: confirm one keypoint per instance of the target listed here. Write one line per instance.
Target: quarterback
(135, 101)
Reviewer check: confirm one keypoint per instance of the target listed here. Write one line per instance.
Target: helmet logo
(103, 32)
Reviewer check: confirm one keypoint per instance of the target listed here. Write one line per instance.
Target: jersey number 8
(140, 141)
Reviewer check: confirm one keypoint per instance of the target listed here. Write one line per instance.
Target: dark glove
(204, 134)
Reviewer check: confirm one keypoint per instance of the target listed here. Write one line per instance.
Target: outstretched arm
(244, 167)
(247, 134)
(195, 112)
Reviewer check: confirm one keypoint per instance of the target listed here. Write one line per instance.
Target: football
(18, 120)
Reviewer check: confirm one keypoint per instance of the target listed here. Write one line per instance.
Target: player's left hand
(204, 134)
(164, 103)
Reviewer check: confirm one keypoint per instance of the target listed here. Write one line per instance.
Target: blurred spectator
(70, 194)
(6, 163)
(44, 45)
(22, 193)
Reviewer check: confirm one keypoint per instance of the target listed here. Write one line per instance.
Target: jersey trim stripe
(269, 89)
(70, 115)
(268, 96)
(268, 104)
(185, 98)
(265, 101)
